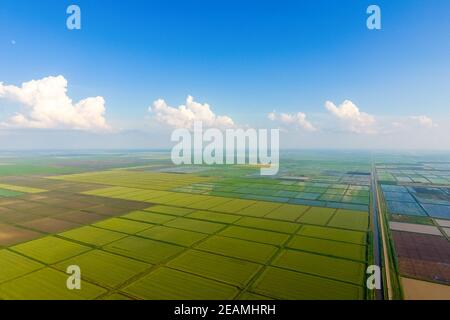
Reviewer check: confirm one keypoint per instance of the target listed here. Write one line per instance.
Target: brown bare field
(80, 217)
(49, 225)
(414, 289)
(11, 216)
(45, 210)
(423, 256)
(108, 210)
(10, 235)
(417, 228)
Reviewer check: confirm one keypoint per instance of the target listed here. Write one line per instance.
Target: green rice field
(162, 232)
(157, 231)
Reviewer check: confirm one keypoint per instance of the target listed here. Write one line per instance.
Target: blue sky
(244, 58)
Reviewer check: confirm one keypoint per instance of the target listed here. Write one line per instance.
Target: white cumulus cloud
(272, 116)
(46, 105)
(351, 117)
(424, 121)
(298, 120)
(185, 115)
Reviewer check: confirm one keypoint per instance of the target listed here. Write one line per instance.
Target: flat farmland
(416, 203)
(153, 232)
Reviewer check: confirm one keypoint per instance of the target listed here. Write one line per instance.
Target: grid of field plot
(136, 236)
(349, 195)
(339, 195)
(317, 182)
(417, 201)
(421, 173)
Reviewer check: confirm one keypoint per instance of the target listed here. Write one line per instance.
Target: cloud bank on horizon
(47, 106)
(297, 120)
(348, 118)
(424, 121)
